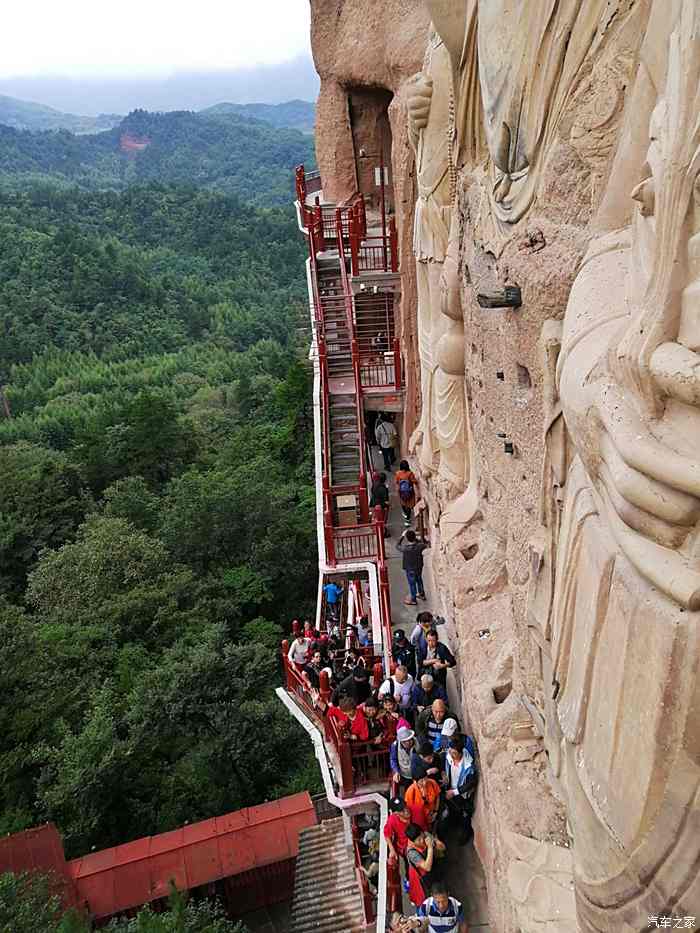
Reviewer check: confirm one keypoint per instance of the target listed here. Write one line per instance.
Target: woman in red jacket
(351, 719)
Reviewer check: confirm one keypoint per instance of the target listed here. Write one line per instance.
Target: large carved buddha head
(630, 372)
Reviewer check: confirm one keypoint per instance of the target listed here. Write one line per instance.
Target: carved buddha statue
(515, 64)
(626, 610)
(441, 438)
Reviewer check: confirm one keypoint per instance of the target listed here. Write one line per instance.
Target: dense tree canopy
(156, 511)
(28, 904)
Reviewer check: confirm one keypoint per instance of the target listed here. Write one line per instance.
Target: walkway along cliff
(540, 163)
(352, 273)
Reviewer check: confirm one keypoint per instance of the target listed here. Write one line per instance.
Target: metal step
(327, 897)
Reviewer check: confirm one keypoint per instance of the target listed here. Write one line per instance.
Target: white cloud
(146, 37)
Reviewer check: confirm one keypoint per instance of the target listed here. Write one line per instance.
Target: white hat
(449, 727)
(404, 734)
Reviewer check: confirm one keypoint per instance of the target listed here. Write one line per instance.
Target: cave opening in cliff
(368, 112)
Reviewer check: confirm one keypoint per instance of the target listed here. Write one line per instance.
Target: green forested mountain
(233, 155)
(297, 114)
(156, 511)
(27, 115)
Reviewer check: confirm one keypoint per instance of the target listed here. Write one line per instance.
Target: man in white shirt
(298, 651)
(386, 436)
(400, 686)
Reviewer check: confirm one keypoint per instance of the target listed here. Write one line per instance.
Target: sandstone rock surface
(566, 549)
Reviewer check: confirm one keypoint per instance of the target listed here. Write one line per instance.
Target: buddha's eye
(645, 193)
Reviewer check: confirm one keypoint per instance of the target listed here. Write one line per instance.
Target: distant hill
(26, 115)
(296, 114)
(230, 153)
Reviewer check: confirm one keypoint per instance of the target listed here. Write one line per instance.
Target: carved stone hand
(419, 100)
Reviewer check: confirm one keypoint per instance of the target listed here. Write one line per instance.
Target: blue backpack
(405, 489)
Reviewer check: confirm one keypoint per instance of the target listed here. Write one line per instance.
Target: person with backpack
(425, 621)
(380, 497)
(412, 550)
(406, 483)
(385, 433)
(400, 755)
(363, 632)
(400, 686)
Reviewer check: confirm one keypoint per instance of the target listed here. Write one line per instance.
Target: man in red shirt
(395, 828)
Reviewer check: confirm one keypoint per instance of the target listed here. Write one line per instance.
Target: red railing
(382, 370)
(368, 905)
(359, 763)
(355, 543)
(313, 182)
(364, 541)
(372, 254)
(349, 212)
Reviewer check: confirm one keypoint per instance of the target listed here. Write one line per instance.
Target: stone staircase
(326, 892)
(344, 440)
(335, 323)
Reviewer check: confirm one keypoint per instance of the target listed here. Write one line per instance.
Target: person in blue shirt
(333, 592)
(425, 691)
(441, 913)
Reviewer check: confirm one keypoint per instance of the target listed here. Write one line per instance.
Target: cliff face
(532, 147)
(365, 54)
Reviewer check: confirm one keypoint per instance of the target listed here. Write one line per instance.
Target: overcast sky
(148, 37)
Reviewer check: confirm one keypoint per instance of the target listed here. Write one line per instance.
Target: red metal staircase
(352, 277)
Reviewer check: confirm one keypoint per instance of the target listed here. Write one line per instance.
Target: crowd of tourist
(433, 767)
(433, 770)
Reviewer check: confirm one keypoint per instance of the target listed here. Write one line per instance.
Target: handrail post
(345, 755)
(398, 375)
(330, 542)
(300, 181)
(339, 233)
(324, 687)
(363, 217)
(285, 663)
(326, 438)
(383, 206)
(364, 500)
(386, 601)
(378, 519)
(394, 245)
(393, 884)
(354, 245)
(318, 214)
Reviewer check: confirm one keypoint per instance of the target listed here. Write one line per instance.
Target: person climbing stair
(412, 551)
